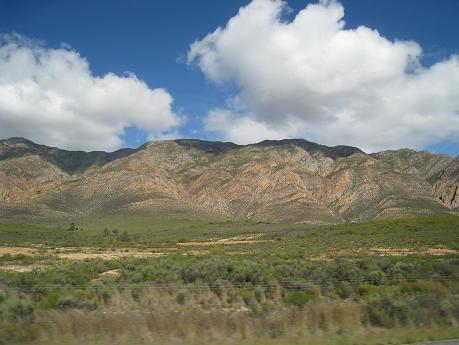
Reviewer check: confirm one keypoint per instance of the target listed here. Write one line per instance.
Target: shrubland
(296, 284)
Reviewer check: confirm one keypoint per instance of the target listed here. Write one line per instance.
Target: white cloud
(51, 96)
(245, 129)
(314, 78)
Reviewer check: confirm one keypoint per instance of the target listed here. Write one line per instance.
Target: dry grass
(220, 315)
(143, 326)
(323, 323)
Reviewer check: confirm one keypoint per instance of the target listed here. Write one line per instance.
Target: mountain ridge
(205, 145)
(290, 180)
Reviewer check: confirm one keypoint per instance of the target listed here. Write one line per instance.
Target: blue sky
(152, 39)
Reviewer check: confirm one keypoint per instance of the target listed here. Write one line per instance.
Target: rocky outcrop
(446, 186)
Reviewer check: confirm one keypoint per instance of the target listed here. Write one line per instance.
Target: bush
(70, 302)
(389, 312)
(216, 250)
(298, 298)
(67, 302)
(180, 298)
(18, 310)
(125, 237)
(344, 291)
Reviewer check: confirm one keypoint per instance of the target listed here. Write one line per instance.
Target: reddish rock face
(287, 180)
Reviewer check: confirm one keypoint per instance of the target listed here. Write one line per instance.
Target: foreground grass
(357, 337)
(222, 298)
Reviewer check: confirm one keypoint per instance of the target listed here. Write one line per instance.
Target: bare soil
(412, 251)
(17, 250)
(245, 239)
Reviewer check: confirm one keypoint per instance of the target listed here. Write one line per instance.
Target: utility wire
(287, 285)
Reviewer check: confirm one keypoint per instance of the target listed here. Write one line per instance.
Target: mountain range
(291, 180)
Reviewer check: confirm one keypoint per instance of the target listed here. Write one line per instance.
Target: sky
(101, 75)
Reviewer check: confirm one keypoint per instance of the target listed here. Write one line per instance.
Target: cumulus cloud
(51, 96)
(313, 77)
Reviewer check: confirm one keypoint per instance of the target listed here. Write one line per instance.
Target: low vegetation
(395, 281)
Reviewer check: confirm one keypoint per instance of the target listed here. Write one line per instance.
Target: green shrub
(216, 250)
(388, 311)
(67, 302)
(71, 302)
(18, 310)
(125, 237)
(344, 290)
(180, 298)
(298, 298)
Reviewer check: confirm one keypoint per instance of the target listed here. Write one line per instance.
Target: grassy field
(301, 239)
(141, 281)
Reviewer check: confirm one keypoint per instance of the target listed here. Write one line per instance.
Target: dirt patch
(112, 273)
(247, 237)
(17, 250)
(441, 251)
(196, 252)
(244, 239)
(320, 258)
(71, 253)
(411, 251)
(214, 243)
(87, 253)
(108, 255)
(21, 269)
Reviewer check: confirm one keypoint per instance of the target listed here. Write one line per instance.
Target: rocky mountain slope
(287, 180)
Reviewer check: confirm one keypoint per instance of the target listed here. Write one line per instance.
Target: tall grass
(191, 324)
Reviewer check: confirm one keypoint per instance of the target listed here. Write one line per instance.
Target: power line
(287, 285)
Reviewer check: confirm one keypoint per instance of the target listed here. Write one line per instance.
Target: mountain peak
(17, 140)
(215, 147)
(331, 151)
